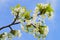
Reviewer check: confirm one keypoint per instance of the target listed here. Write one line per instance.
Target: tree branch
(9, 25)
(13, 23)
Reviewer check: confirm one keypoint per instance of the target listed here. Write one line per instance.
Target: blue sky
(6, 17)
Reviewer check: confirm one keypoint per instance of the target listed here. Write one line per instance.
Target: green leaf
(26, 15)
(49, 8)
(17, 6)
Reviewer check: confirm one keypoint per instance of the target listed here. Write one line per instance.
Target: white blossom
(22, 10)
(22, 27)
(34, 17)
(17, 9)
(4, 35)
(51, 15)
(29, 22)
(36, 9)
(47, 30)
(14, 13)
(18, 33)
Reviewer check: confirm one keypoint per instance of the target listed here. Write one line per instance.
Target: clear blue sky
(6, 17)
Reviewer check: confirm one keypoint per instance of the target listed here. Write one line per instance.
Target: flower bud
(13, 32)
(3, 36)
(44, 30)
(16, 33)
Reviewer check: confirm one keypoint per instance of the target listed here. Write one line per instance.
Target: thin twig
(16, 18)
(33, 26)
(10, 28)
